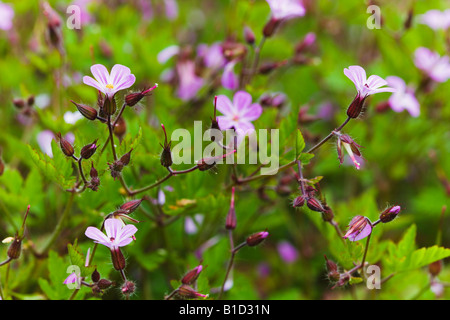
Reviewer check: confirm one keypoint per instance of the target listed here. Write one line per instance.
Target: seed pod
(435, 268)
(187, 292)
(120, 128)
(95, 276)
(65, 145)
(249, 35)
(104, 284)
(270, 27)
(256, 238)
(314, 204)
(355, 107)
(109, 106)
(15, 248)
(299, 201)
(87, 111)
(125, 159)
(88, 150)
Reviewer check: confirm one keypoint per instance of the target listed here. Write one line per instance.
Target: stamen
(109, 86)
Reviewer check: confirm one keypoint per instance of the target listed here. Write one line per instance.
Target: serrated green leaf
(299, 144)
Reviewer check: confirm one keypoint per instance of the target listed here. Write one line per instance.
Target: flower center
(110, 86)
(235, 118)
(112, 239)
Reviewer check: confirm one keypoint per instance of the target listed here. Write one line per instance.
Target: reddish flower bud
(332, 269)
(249, 35)
(192, 275)
(104, 284)
(299, 201)
(166, 155)
(95, 276)
(95, 181)
(88, 112)
(128, 288)
(356, 106)
(187, 292)
(19, 103)
(109, 106)
(65, 145)
(120, 128)
(130, 206)
(125, 159)
(88, 150)
(256, 238)
(117, 258)
(270, 27)
(314, 204)
(390, 214)
(435, 268)
(15, 248)
(133, 98)
(327, 214)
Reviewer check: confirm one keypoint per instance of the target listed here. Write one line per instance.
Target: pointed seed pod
(87, 111)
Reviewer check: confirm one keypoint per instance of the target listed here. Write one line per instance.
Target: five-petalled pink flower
(120, 78)
(238, 114)
(365, 87)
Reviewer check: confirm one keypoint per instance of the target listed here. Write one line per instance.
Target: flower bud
(332, 269)
(256, 238)
(120, 128)
(355, 107)
(270, 27)
(389, 214)
(435, 268)
(166, 155)
(88, 112)
(116, 169)
(109, 106)
(95, 276)
(104, 284)
(359, 228)
(133, 98)
(192, 275)
(314, 204)
(15, 248)
(88, 150)
(95, 181)
(128, 288)
(230, 223)
(327, 214)
(118, 259)
(125, 159)
(249, 35)
(65, 145)
(187, 292)
(130, 206)
(19, 103)
(204, 165)
(299, 201)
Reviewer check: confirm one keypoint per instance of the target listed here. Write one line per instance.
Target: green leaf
(78, 259)
(299, 144)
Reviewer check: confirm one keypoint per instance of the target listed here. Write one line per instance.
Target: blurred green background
(406, 159)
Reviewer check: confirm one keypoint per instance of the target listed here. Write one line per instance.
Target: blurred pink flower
(436, 19)
(119, 79)
(238, 114)
(6, 16)
(171, 8)
(212, 55)
(230, 79)
(359, 228)
(352, 148)
(403, 98)
(189, 83)
(287, 252)
(117, 234)
(286, 9)
(167, 53)
(432, 64)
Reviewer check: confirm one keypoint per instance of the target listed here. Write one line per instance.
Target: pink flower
(359, 228)
(189, 83)
(119, 79)
(6, 16)
(238, 114)
(286, 9)
(229, 79)
(350, 146)
(432, 64)
(403, 98)
(117, 234)
(287, 252)
(212, 55)
(365, 87)
(436, 19)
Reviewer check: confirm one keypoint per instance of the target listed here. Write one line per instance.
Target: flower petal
(361, 235)
(357, 75)
(252, 113)
(126, 232)
(100, 73)
(112, 228)
(95, 234)
(242, 100)
(119, 74)
(224, 105)
(224, 122)
(94, 83)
